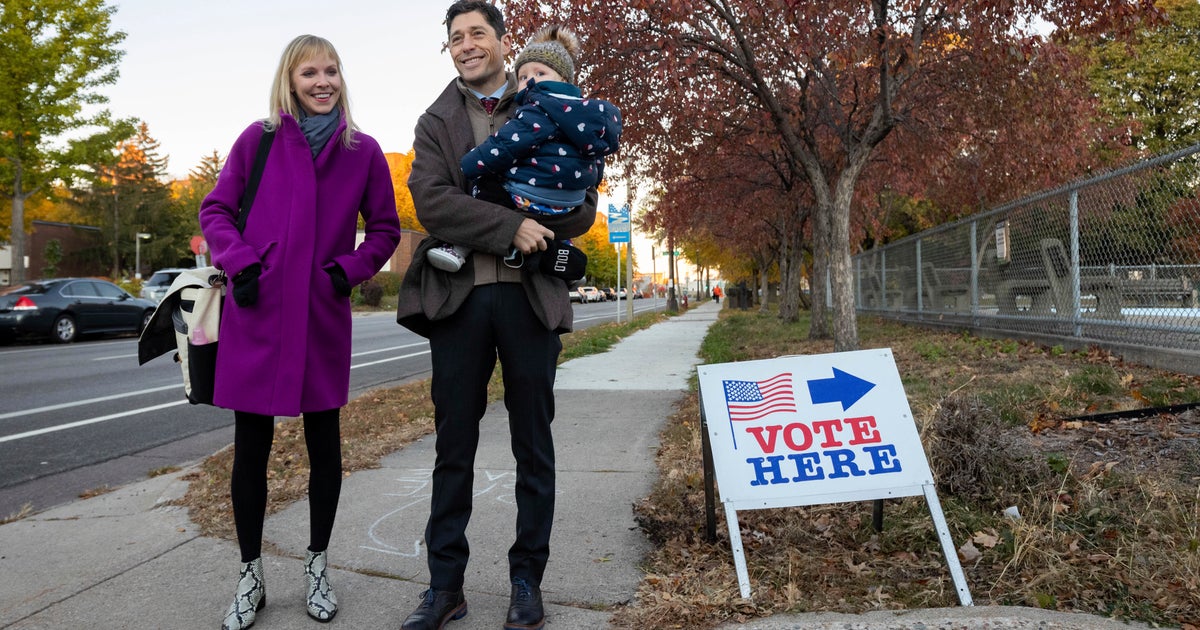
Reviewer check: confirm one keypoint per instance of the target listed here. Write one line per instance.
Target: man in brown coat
(486, 310)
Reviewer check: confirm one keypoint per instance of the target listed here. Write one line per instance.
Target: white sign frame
(815, 429)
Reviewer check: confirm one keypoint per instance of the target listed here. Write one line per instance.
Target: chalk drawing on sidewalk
(415, 489)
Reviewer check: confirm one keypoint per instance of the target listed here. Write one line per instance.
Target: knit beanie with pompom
(554, 46)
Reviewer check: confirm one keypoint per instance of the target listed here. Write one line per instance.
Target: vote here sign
(812, 429)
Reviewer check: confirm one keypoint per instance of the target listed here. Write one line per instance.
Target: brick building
(81, 247)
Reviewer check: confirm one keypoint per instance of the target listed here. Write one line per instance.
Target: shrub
(371, 293)
(390, 281)
(978, 457)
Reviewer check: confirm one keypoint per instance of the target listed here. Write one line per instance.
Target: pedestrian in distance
(552, 150)
(488, 310)
(285, 334)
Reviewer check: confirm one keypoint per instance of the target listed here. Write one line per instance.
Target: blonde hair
(298, 51)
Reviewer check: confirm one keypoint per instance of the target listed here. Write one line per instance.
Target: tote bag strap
(260, 162)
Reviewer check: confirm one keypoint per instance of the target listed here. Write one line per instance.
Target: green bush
(132, 286)
(371, 293)
(390, 281)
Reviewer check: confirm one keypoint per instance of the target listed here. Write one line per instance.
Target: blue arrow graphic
(843, 387)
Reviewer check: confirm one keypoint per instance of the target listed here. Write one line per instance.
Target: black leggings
(252, 438)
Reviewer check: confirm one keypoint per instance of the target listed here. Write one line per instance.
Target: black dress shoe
(525, 607)
(436, 608)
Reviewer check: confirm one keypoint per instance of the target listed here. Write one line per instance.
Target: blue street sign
(618, 224)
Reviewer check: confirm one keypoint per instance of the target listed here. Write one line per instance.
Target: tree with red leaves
(834, 79)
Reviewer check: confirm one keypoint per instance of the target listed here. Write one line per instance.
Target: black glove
(561, 260)
(245, 285)
(340, 284)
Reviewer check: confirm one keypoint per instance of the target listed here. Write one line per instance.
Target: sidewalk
(128, 560)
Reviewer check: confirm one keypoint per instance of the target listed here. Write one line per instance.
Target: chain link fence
(1113, 261)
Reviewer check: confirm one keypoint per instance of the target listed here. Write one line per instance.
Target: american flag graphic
(752, 400)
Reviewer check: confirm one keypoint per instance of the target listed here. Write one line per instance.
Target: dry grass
(26, 510)
(1109, 511)
(95, 492)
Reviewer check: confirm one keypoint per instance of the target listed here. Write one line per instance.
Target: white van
(155, 288)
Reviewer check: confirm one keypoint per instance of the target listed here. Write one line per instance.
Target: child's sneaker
(445, 257)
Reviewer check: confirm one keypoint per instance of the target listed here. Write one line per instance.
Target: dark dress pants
(495, 321)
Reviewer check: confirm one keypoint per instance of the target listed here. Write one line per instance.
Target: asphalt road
(78, 418)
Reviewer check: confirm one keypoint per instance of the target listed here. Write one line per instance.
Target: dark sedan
(65, 308)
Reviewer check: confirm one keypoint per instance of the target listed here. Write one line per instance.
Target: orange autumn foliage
(401, 166)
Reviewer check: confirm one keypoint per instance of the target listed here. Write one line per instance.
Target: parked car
(156, 286)
(576, 295)
(591, 294)
(609, 294)
(622, 293)
(62, 309)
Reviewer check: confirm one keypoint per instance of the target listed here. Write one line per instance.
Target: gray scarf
(319, 129)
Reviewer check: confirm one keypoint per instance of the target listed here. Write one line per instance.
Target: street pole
(672, 300)
(137, 254)
(629, 259)
(653, 280)
(618, 283)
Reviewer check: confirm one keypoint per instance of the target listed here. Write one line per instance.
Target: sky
(198, 72)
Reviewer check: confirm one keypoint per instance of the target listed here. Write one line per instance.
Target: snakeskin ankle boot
(322, 603)
(250, 598)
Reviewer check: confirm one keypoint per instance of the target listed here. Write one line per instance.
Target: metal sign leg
(943, 532)
(739, 556)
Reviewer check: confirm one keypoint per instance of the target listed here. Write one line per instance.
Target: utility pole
(629, 258)
(672, 301)
(653, 279)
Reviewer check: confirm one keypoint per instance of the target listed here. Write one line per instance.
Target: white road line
(122, 357)
(359, 354)
(637, 310)
(411, 345)
(26, 412)
(72, 425)
(132, 412)
(389, 360)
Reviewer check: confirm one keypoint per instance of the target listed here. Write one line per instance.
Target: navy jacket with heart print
(553, 148)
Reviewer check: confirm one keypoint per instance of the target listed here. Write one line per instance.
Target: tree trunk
(116, 239)
(795, 279)
(845, 319)
(845, 322)
(18, 235)
(822, 244)
(760, 281)
(789, 309)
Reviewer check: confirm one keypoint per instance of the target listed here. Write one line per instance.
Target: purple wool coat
(289, 352)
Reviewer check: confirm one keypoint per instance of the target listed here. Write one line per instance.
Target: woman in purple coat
(285, 335)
